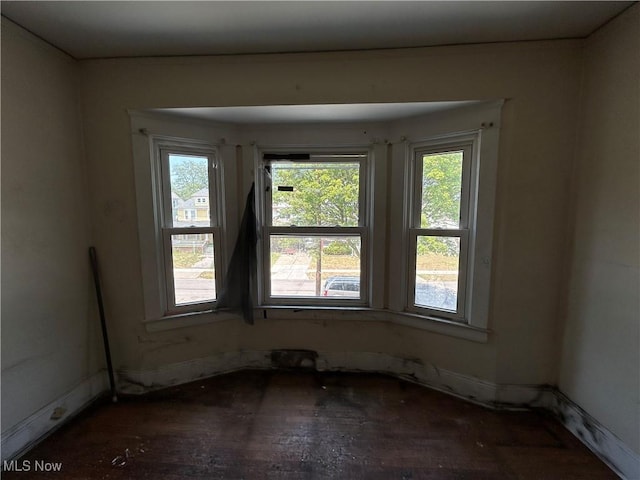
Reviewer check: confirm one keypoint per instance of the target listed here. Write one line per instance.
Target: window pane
(313, 266)
(441, 190)
(189, 178)
(315, 194)
(193, 268)
(437, 265)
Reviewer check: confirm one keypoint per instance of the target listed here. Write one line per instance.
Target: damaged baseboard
(469, 388)
(595, 436)
(25, 434)
(600, 440)
(472, 389)
(512, 397)
(141, 381)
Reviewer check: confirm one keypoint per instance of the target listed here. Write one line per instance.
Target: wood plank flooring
(289, 425)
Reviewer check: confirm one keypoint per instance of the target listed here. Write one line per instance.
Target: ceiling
(327, 113)
(97, 29)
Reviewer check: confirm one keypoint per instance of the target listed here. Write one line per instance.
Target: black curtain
(236, 291)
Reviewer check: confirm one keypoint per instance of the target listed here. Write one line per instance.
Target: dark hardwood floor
(284, 425)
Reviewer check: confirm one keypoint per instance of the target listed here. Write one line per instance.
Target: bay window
(388, 221)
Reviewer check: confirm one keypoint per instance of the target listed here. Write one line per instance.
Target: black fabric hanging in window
(236, 291)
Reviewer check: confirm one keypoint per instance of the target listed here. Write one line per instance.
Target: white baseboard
(140, 381)
(595, 436)
(513, 397)
(22, 436)
(413, 370)
(488, 394)
(601, 441)
(469, 388)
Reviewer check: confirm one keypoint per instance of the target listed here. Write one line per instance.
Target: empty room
(309, 240)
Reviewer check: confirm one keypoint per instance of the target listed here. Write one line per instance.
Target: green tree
(317, 194)
(441, 189)
(188, 175)
(438, 245)
(441, 195)
(327, 194)
(323, 194)
(338, 247)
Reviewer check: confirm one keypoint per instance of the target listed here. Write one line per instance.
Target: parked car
(342, 287)
(427, 294)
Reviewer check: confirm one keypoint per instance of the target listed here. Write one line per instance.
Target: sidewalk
(291, 267)
(290, 276)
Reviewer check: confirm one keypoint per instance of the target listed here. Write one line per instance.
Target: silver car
(342, 287)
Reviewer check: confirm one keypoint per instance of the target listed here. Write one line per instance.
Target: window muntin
(440, 228)
(189, 228)
(315, 227)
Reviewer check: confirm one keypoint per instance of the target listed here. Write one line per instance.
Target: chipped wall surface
(49, 327)
(601, 351)
(539, 81)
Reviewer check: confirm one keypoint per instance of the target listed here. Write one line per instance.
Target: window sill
(183, 320)
(271, 312)
(441, 325)
(407, 319)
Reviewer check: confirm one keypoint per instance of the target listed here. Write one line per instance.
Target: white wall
(49, 324)
(601, 360)
(540, 81)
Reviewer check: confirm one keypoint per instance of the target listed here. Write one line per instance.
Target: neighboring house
(193, 211)
(189, 213)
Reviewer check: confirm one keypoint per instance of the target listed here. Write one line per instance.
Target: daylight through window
(392, 222)
(189, 228)
(315, 223)
(440, 228)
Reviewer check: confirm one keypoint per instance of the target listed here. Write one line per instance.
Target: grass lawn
(182, 259)
(349, 262)
(340, 262)
(424, 262)
(431, 261)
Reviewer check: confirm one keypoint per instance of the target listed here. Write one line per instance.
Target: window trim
(477, 253)
(161, 148)
(263, 181)
(468, 144)
(238, 145)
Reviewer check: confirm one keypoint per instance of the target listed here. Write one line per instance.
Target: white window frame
(263, 181)
(468, 145)
(162, 148)
(385, 254)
